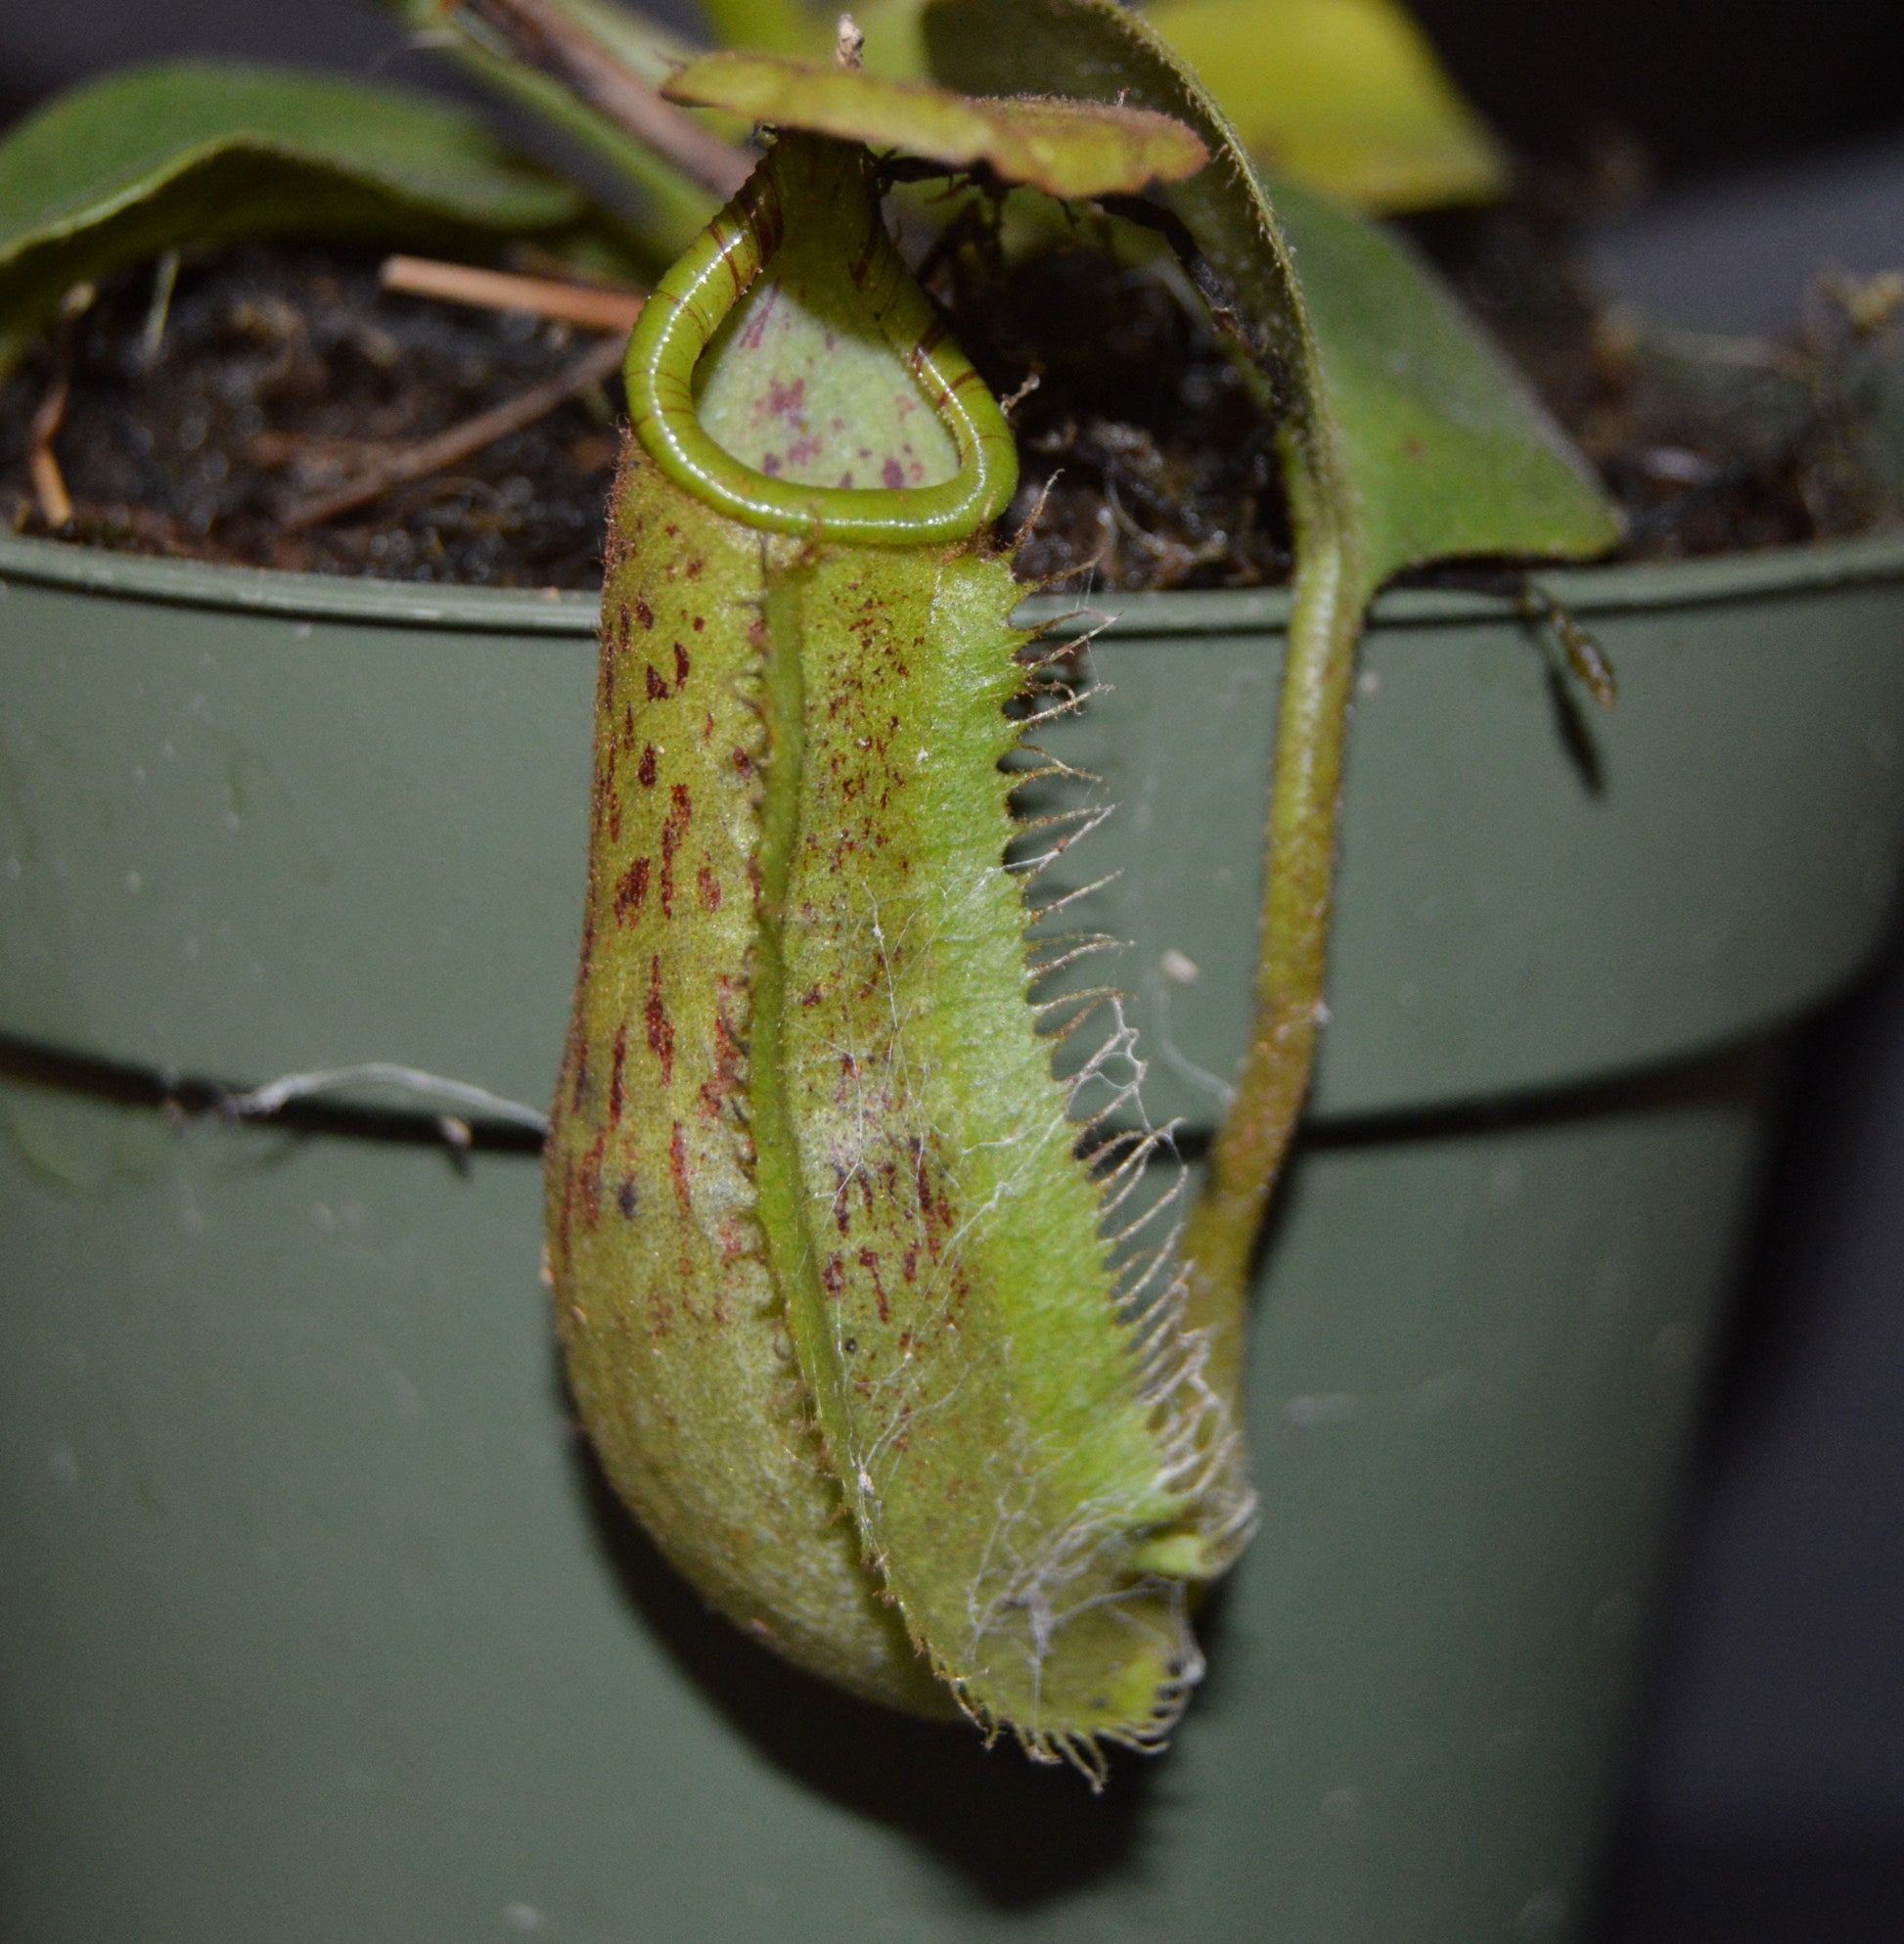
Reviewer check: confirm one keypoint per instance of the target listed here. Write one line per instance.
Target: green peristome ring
(828, 183)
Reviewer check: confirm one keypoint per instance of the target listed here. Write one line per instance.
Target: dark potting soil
(274, 374)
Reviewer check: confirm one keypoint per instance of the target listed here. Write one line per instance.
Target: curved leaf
(1446, 448)
(1067, 148)
(1344, 94)
(116, 171)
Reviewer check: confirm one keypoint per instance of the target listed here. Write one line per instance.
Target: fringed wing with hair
(866, 1309)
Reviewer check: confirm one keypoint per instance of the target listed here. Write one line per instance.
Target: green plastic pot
(317, 1621)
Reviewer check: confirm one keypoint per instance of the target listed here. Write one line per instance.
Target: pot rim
(1768, 573)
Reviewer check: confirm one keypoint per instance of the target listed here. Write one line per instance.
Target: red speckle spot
(592, 1182)
(677, 1167)
(870, 1262)
(675, 826)
(728, 1057)
(660, 1028)
(811, 996)
(709, 888)
(757, 325)
(834, 1275)
(626, 1200)
(700, 622)
(657, 689)
(892, 474)
(742, 763)
(631, 894)
(644, 614)
(615, 1095)
(682, 665)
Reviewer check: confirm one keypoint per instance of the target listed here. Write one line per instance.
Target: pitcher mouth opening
(836, 186)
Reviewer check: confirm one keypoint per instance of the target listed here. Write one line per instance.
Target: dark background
(1706, 84)
(1765, 1803)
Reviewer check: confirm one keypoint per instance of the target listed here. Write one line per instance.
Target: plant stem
(1329, 601)
(539, 36)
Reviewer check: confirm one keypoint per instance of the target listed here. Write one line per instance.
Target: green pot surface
(320, 1628)
(318, 1624)
(263, 824)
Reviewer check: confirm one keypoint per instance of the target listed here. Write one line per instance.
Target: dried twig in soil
(590, 305)
(42, 462)
(430, 455)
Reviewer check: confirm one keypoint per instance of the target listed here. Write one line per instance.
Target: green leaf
(1447, 449)
(1069, 149)
(118, 170)
(1346, 95)
(894, 48)
(770, 27)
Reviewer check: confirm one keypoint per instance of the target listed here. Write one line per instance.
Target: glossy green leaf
(1346, 95)
(133, 165)
(1065, 147)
